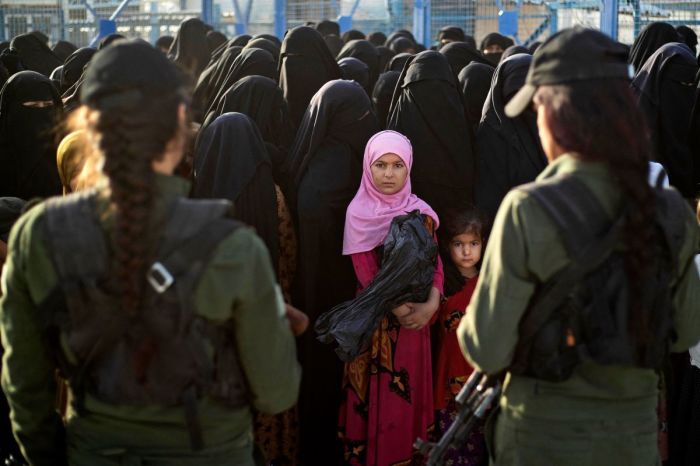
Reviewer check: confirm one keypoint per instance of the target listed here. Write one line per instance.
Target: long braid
(600, 121)
(130, 142)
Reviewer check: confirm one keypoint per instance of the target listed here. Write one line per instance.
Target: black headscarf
(400, 33)
(74, 67)
(4, 75)
(41, 36)
(508, 149)
(306, 64)
(34, 54)
(261, 99)
(363, 50)
(327, 159)
(335, 44)
(377, 38)
(240, 40)
(495, 38)
(355, 70)
(398, 61)
(4, 45)
(269, 37)
(453, 33)
(109, 39)
(265, 44)
(533, 47)
(231, 162)
(385, 56)
(250, 62)
(165, 42)
(211, 81)
(27, 144)
(475, 82)
(666, 90)
(688, 37)
(402, 45)
(382, 94)
(327, 27)
(352, 34)
(215, 39)
(63, 49)
(649, 41)
(460, 54)
(427, 107)
(190, 49)
(514, 50)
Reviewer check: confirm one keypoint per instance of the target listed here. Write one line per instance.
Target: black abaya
(34, 54)
(355, 70)
(509, 152)
(63, 49)
(190, 49)
(460, 54)
(326, 162)
(27, 145)
(649, 41)
(666, 91)
(427, 107)
(74, 67)
(366, 52)
(382, 94)
(475, 82)
(211, 80)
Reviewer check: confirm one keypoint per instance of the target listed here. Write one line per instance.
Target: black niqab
(352, 34)
(306, 65)
(190, 49)
(34, 54)
(385, 56)
(355, 70)
(649, 41)
(335, 44)
(402, 45)
(215, 39)
(514, 50)
(240, 40)
(688, 37)
(231, 162)
(63, 49)
(475, 82)
(665, 87)
(210, 81)
(327, 27)
(460, 54)
(27, 144)
(74, 67)
(377, 38)
(327, 164)
(452, 33)
(269, 46)
(269, 37)
(398, 62)
(400, 33)
(363, 50)
(427, 107)
(508, 149)
(108, 40)
(382, 94)
(495, 38)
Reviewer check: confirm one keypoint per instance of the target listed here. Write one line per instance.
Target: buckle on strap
(159, 277)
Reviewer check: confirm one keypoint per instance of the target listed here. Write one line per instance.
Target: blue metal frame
(242, 16)
(609, 17)
(421, 22)
(280, 18)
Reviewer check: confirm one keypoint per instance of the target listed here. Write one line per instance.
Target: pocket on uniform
(552, 444)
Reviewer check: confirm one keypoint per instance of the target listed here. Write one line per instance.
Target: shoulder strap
(573, 207)
(77, 242)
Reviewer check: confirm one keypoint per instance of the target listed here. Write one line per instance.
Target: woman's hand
(402, 311)
(422, 312)
(298, 321)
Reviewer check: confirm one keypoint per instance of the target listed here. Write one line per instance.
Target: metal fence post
(207, 11)
(280, 18)
(608, 17)
(421, 21)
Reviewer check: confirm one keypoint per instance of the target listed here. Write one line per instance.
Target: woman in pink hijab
(388, 388)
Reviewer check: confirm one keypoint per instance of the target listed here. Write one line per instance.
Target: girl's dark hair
(599, 121)
(457, 222)
(131, 139)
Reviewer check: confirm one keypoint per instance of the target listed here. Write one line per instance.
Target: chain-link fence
(525, 20)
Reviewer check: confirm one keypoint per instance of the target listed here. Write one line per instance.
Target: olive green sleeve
(28, 377)
(488, 332)
(266, 346)
(686, 293)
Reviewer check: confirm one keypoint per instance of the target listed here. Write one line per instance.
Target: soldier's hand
(298, 321)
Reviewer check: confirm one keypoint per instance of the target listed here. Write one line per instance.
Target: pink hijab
(370, 213)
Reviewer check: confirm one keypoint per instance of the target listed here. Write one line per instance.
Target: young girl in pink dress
(388, 389)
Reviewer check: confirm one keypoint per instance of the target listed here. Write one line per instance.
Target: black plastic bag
(406, 275)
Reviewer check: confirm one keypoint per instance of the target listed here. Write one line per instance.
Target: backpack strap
(579, 226)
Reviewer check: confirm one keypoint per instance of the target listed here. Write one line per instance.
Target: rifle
(473, 401)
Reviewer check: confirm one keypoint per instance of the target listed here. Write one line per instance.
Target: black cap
(127, 73)
(574, 54)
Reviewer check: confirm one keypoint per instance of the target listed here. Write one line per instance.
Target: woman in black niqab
(355, 70)
(385, 56)
(649, 41)
(688, 37)
(327, 27)
(306, 65)
(514, 50)
(460, 54)
(335, 44)
(190, 49)
(508, 149)
(402, 45)
(210, 81)
(231, 162)
(382, 93)
(63, 49)
(30, 109)
(108, 40)
(475, 82)
(493, 45)
(427, 107)
(366, 52)
(398, 62)
(34, 54)
(352, 34)
(326, 167)
(265, 44)
(74, 67)
(261, 99)
(665, 88)
(241, 40)
(215, 39)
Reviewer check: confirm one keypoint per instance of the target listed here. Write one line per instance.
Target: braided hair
(599, 121)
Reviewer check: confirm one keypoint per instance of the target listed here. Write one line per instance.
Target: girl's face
(465, 251)
(389, 173)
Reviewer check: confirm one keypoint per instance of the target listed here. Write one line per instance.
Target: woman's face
(389, 173)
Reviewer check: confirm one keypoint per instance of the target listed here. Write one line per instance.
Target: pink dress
(388, 392)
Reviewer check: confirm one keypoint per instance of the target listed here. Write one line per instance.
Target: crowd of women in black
(279, 128)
